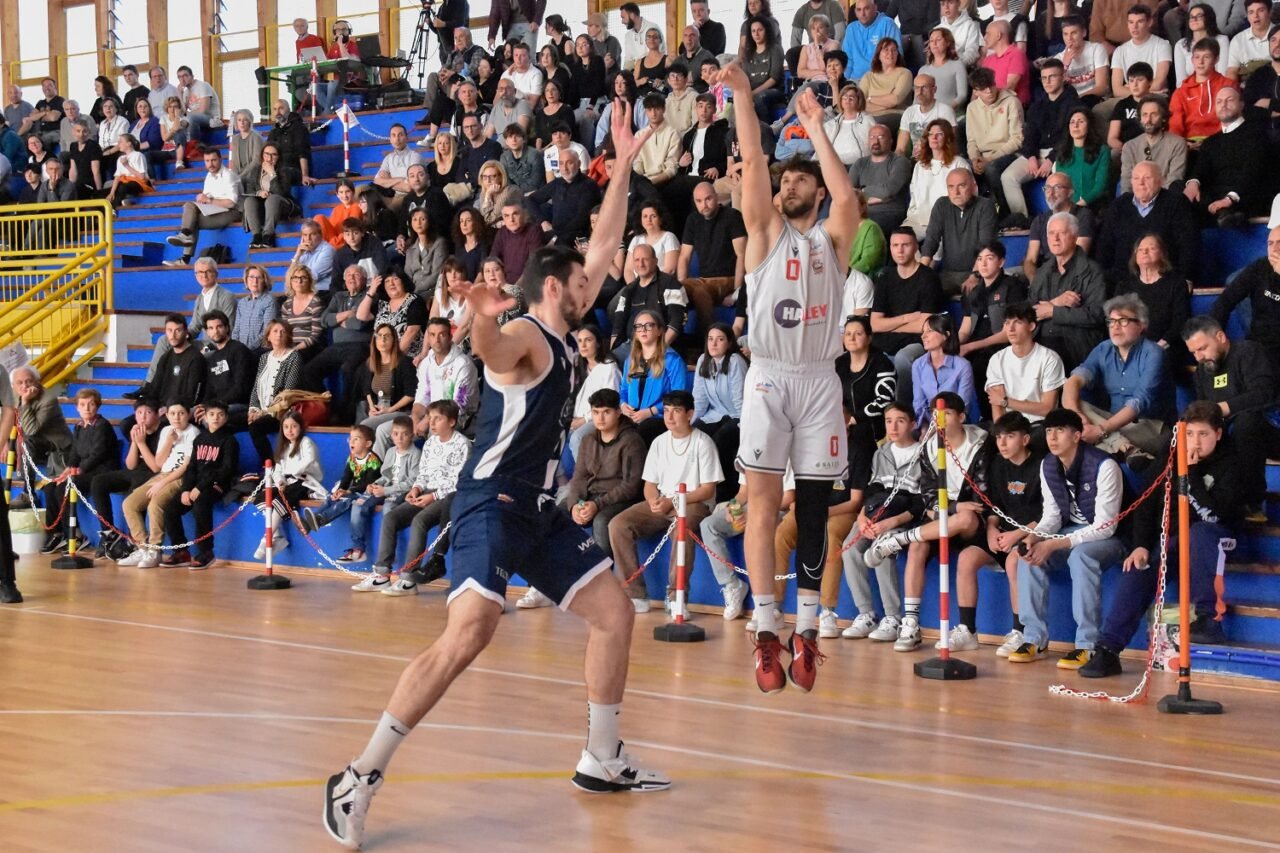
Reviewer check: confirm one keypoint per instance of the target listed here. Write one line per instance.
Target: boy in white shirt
(1025, 376)
(154, 496)
(680, 455)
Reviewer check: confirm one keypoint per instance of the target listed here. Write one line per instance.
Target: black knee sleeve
(812, 499)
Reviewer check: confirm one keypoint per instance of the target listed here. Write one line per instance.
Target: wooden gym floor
(168, 710)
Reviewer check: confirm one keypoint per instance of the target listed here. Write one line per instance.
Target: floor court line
(777, 766)
(652, 694)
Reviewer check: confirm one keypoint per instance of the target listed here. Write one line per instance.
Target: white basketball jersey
(794, 299)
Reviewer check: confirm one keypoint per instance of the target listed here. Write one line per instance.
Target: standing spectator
(216, 206)
(518, 19)
(863, 35)
(1230, 181)
(635, 29)
(1086, 64)
(279, 370)
(200, 103)
(1148, 209)
(1068, 294)
(883, 177)
(963, 222)
(1142, 46)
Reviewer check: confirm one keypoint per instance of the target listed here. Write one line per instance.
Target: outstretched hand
(810, 112)
(626, 142)
(733, 76)
(486, 300)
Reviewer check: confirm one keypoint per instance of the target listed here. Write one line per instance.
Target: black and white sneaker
(616, 775)
(346, 803)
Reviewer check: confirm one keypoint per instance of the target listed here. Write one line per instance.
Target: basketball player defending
(505, 520)
(796, 268)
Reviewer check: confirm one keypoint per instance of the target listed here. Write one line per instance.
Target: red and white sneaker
(805, 660)
(770, 677)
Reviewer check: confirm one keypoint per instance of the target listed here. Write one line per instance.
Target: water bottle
(382, 400)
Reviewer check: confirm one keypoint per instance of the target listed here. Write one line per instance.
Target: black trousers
(202, 507)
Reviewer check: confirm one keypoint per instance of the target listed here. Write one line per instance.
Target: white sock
(806, 611)
(602, 730)
(387, 737)
(766, 614)
(911, 608)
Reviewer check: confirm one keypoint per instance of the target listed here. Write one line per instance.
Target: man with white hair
(1148, 209)
(571, 198)
(1068, 294)
(67, 127)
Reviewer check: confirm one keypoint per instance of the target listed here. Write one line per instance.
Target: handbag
(312, 412)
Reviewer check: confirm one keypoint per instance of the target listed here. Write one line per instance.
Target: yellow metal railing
(56, 282)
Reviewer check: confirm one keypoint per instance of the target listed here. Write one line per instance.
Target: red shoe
(805, 660)
(769, 675)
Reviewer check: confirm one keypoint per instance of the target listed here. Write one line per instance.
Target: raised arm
(613, 209)
(844, 218)
(758, 212)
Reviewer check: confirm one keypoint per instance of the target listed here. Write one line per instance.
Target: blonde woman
(255, 310)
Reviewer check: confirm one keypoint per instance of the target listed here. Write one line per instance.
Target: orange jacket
(1191, 111)
(331, 225)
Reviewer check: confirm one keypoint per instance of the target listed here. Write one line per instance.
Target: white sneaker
(150, 558)
(133, 559)
(908, 635)
(862, 627)
(735, 593)
(962, 640)
(884, 548)
(827, 627)
(887, 631)
(346, 803)
(261, 552)
(372, 582)
(402, 586)
(641, 605)
(1012, 641)
(533, 599)
(751, 623)
(616, 775)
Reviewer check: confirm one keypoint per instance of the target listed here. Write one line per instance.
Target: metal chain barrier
(1139, 693)
(30, 468)
(663, 541)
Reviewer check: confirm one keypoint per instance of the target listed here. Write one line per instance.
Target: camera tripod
(418, 51)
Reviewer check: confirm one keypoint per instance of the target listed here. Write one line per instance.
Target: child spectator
(361, 471)
(425, 506)
(394, 480)
(891, 501)
(297, 475)
(215, 462)
(94, 449)
(140, 463)
(177, 441)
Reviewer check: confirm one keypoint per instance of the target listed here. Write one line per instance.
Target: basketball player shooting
(505, 520)
(796, 268)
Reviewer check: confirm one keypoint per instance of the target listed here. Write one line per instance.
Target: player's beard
(798, 208)
(569, 313)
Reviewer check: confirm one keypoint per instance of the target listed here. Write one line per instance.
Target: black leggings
(813, 497)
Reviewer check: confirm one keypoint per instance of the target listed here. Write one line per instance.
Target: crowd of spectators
(1144, 128)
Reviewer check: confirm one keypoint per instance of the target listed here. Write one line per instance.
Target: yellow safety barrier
(56, 282)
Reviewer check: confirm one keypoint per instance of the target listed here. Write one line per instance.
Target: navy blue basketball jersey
(521, 429)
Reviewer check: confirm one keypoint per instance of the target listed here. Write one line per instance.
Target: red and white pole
(682, 539)
(944, 555)
(315, 87)
(346, 142)
(270, 515)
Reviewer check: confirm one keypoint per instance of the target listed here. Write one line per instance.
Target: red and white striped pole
(346, 142)
(680, 630)
(944, 667)
(315, 88)
(270, 580)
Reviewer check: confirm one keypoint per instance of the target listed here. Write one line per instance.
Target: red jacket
(1191, 112)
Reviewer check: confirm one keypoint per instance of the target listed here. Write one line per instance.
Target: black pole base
(9, 594)
(1186, 705)
(346, 173)
(67, 561)
(679, 632)
(269, 582)
(946, 670)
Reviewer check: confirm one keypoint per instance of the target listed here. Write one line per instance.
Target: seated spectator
(810, 59)
(45, 120)
(390, 299)
(268, 197)
(848, 129)
(994, 126)
(650, 370)
(476, 150)
(380, 222)
(395, 477)
(84, 163)
(212, 297)
(174, 134)
(279, 370)
(1130, 371)
(985, 297)
(17, 110)
(1085, 158)
(360, 248)
(692, 51)
(923, 111)
(1239, 378)
(161, 89)
(1068, 294)
(1006, 61)
(971, 450)
(472, 240)
(207, 478)
(145, 507)
(56, 186)
(110, 129)
(654, 291)
(256, 309)
(1058, 192)
(132, 177)
(315, 254)
(1162, 289)
(962, 222)
(180, 371)
(718, 381)
(12, 146)
(867, 27)
(1045, 127)
(929, 179)
(425, 506)
(763, 61)
(907, 293)
(494, 191)
(587, 68)
(650, 70)
(140, 463)
(659, 157)
(346, 208)
(39, 155)
(445, 372)
(349, 345)
(393, 174)
(297, 474)
(601, 372)
(704, 156)
(216, 206)
(31, 184)
(425, 253)
(668, 464)
(1260, 88)
(361, 471)
(940, 369)
(1259, 282)
(509, 111)
(1250, 50)
(650, 230)
(524, 76)
(245, 149)
(1202, 25)
(230, 366)
(883, 177)
(516, 240)
(1142, 46)
(448, 304)
(522, 163)
(1214, 468)
(1125, 122)
(385, 382)
(46, 441)
(1014, 476)
(948, 72)
(888, 84)
(1082, 489)
(570, 197)
(964, 29)
(1155, 144)
(1192, 108)
(67, 127)
(301, 309)
(1024, 377)
(200, 103)
(1230, 182)
(1086, 64)
(468, 105)
(868, 252)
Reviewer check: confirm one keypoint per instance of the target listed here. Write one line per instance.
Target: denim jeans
(1086, 563)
